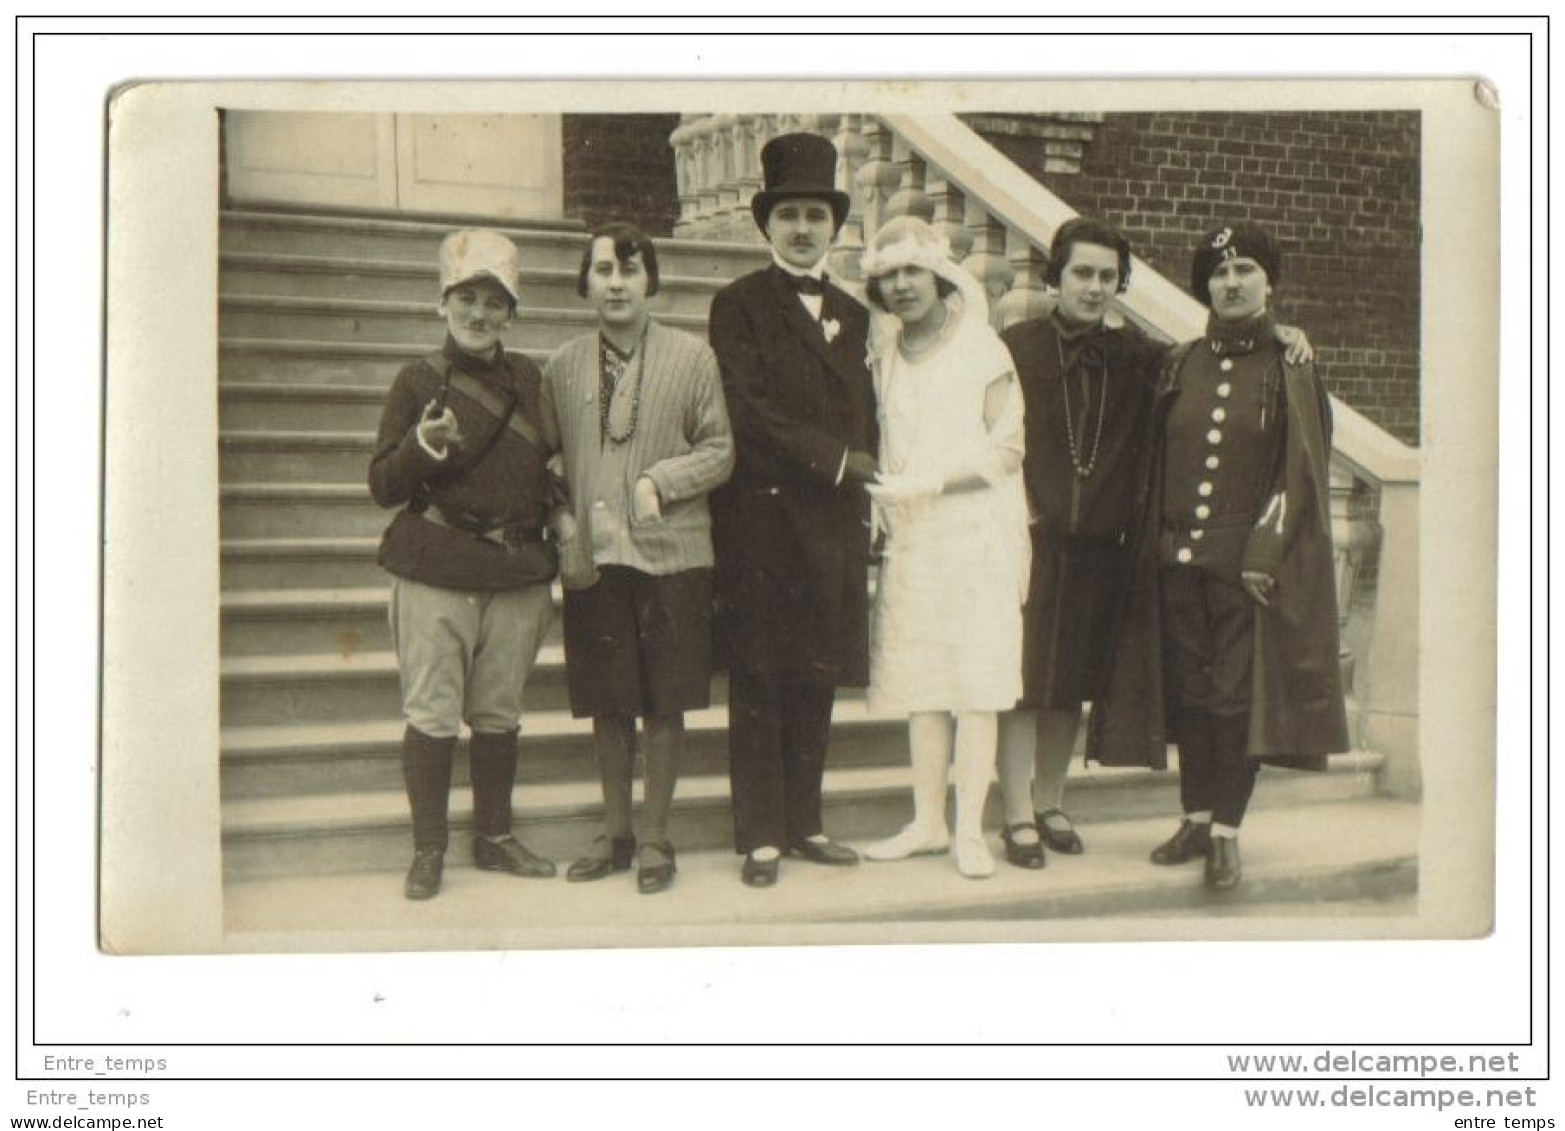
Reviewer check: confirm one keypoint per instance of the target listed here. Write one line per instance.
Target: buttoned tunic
(1221, 448)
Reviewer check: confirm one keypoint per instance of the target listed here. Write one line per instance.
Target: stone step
(245, 406)
(294, 456)
(295, 510)
(291, 362)
(417, 326)
(332, 277)
(279, 690)
(369, 831)
(319, 621)
(325, 758)
(263, 231)
(278, 563)
(278, 622)
(350, 685)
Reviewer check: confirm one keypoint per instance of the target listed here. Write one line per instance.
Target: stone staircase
(317, 314)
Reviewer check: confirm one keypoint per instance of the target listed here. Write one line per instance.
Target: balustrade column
(987, 261)
(1027, 297)
(1389, 683)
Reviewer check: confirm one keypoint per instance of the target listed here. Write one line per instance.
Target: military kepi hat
(480, 253)
(1233, 241)
(795, 165)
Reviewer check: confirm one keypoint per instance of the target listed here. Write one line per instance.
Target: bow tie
(805, 284)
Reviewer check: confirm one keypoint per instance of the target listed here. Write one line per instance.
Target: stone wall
(1340, 191)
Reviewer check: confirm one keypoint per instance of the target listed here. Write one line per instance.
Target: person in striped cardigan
(636, 411)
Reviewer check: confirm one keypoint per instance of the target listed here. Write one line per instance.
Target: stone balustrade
(999, 229)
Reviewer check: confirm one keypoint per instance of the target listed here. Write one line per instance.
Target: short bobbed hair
(628, 239)
(1085, 229)
(943, 288)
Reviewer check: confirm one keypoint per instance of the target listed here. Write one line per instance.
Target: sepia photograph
(587, 569)
(985, 513)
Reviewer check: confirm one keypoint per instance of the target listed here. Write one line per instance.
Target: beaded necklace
(1083, 470)
(609, 352)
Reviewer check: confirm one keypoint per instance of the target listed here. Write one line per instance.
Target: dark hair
(628, 239)
(1084, 229)
(943, 287)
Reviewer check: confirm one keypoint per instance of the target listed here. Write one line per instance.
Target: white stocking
(929, 735)
(976, 732)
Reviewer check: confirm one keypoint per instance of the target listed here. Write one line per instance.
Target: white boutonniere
(831, 328)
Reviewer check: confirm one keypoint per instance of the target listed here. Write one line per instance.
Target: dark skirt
(638, 644)
(1073, 600)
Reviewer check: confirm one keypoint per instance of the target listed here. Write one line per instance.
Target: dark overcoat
(792, 542)
(1297, 715)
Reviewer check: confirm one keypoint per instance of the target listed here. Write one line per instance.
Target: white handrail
(1013, 196)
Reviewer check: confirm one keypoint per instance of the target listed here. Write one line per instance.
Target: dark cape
(1297, 715)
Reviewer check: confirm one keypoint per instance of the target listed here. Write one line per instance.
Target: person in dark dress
(1231, 641)
(791, 528)
(1088, 393)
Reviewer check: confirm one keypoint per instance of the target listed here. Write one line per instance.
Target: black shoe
(759, 873)
(823, 852)
(510, 855)
(1067, 842)
(609, 854)
(1190, 841)
(423, 880)
(1022, 854)
(657, 873)
(1222, 863)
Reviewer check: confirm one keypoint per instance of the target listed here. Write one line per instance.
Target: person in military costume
(1231, 641)
(791, 528)
(460, 451)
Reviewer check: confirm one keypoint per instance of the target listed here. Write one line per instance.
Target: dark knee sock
(665, 744)
(426, 771)
(614, 742)
(493, 761)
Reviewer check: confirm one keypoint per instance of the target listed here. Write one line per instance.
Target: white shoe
(973, 858)
(914, 840)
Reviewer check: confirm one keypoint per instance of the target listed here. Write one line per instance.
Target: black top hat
(799, 165)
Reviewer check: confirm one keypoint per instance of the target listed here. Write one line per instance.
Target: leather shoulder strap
(474, 389)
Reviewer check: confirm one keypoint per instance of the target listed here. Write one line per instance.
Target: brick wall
(1339, 190)
(621, 167)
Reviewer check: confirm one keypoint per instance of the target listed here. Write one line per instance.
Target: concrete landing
(1327, 870)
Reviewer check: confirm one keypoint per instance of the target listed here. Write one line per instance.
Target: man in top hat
(460, 450)
(790, 529)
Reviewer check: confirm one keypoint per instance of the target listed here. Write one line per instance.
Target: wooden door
(501, 165)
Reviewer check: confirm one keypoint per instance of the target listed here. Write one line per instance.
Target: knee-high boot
(426, 771)
(493, 761)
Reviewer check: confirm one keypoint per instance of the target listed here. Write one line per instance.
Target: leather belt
(506, 534)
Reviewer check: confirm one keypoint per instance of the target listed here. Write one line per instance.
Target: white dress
(946, 630)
